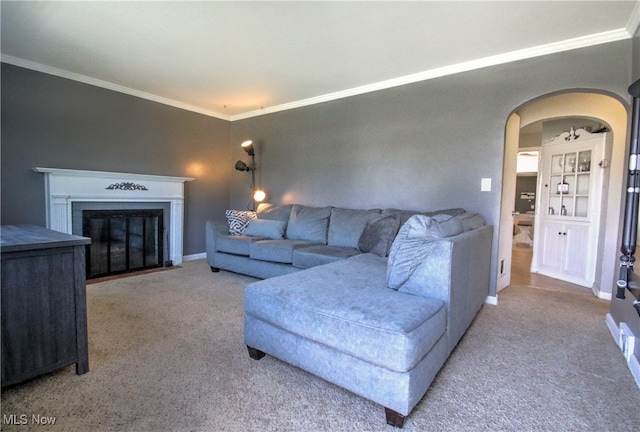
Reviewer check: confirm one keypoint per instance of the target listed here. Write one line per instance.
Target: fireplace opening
(123, 241)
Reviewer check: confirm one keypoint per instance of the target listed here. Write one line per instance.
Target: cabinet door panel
(38, 314)
(577, 248)
(552, 247)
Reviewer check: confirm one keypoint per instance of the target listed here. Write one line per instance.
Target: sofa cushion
(450, 212)
(311, 256)
(414, 242)
(346, 305)
(378, 234)
(431, 274)
(273, 229)
(276, 250)
(238, 220)
(406, 214)
(235, 244)
(346, 226)
(308, 223)
(274, 211)
(470, 221)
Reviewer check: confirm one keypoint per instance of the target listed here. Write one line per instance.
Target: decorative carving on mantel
(126, 186)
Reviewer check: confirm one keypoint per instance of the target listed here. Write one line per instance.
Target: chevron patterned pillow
(238, 220)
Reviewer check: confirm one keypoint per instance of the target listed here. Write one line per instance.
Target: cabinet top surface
(28, 237)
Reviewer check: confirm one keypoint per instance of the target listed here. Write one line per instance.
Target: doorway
(558, 108)
(562, 237)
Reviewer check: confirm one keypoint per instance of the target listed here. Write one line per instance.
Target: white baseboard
(603, 295)
(634, 367)
(613, 328)
(194, 256)
(633, 363)
(492, 300)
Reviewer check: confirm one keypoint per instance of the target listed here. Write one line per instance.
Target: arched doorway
(607, 109)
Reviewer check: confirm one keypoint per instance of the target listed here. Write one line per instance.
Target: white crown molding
(552, 48)
(107, 85)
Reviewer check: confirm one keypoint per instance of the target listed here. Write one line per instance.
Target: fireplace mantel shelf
(63, 187)
(110, 174)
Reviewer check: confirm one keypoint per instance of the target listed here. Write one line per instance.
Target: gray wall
(53, 122)
(420, 146)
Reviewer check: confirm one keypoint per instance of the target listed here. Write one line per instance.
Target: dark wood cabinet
(44, 309)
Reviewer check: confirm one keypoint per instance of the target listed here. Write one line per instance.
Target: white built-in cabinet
(570, 206)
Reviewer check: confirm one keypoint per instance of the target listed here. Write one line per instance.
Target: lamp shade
(248, 147)
(241, 166)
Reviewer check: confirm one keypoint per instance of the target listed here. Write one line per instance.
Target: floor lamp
(257, 195)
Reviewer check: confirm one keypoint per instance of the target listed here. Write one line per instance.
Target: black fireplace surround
(123, 241)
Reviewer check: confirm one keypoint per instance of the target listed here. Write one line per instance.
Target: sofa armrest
(214, 229)
(456, 271)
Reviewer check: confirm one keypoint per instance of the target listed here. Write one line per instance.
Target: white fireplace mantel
(63, 187)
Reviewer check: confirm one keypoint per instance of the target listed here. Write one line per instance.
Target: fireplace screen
(122, 240)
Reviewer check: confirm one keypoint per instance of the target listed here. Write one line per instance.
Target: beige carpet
(166, 354)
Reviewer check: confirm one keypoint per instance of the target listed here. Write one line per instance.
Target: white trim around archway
(574, 104)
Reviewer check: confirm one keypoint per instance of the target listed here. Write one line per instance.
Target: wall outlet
(485, 185)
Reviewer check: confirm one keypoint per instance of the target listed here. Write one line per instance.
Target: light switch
(485, 185)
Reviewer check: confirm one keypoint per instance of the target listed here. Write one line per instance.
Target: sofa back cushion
(279, 212)
(470, 221)
(346, 226)
(272, 229)
(308, 223)
(406, 214)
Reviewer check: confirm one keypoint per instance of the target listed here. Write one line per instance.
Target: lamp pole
(630, 229)
(253, 181)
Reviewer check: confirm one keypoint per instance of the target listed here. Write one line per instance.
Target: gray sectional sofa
(375, 303)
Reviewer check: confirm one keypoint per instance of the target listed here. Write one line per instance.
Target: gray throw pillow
(378, 234)
(414, 242)
(238, 220)
(272, 229)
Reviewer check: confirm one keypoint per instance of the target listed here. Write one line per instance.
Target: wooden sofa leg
(215, 269)
(255, 353)
(394, 418)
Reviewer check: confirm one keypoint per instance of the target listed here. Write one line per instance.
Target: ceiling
(238, 59)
